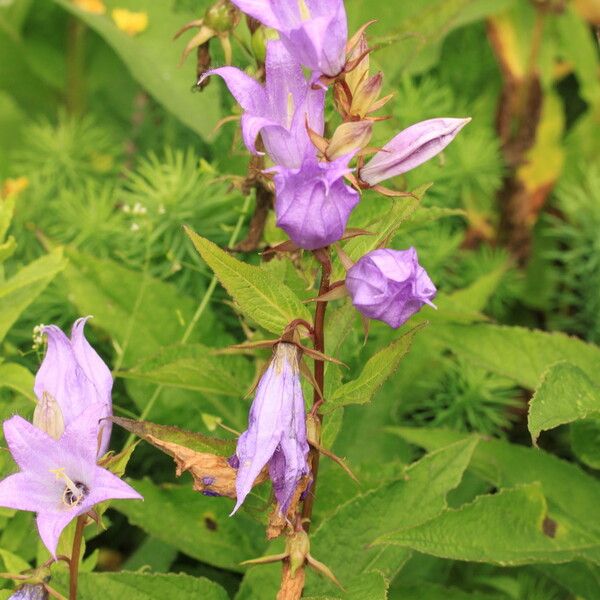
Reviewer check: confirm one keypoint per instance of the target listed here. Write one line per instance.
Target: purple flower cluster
(59, 478)
(313, 202)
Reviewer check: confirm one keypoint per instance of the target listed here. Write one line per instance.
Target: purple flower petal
(22, 491)
(389, 285)
(50, 526)
(28, 445)
(411, 148)
(108, 486)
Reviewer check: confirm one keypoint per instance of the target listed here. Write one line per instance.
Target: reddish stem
(74, 562)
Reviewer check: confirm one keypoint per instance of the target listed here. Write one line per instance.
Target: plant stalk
(74, 562)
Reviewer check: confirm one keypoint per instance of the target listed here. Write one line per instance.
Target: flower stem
(323, 256)
(75, 555)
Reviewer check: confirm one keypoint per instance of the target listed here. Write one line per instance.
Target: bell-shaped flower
(389, 285)
(312, 203)
(58, 479)
(411, 148)
(279, 110)
(276, 434)
(71, 377)
(314, 31)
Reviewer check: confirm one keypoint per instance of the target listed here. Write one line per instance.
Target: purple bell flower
(389, 285)
(71, 377)
(276, 434)
(279, 110)
(58, 479)
(411, 148)
(312, 203)
(314, 31)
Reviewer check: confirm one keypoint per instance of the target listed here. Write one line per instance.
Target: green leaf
(518, 353)
(260, 296)
(144, 586)
(374, 374)
(342, 540)
(17, 378)
(141, 314)
(509, 528)
(571, 493)
(152, 58)
(581, 578)
(18, 293)
(196, 525)
(195, 367)
(564, 395)
(13, 563)
(585, 441)
(430, 591)
(166, 433)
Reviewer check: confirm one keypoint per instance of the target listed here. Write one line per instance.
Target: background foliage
(105, 154)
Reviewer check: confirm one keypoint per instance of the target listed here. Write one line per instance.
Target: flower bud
(221, 17)
(366, 95)
(348, 138)
(389, 285)
(48, 416)
(298, 548)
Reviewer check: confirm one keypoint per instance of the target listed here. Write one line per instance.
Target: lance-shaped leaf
(565, 394)
(260, 295)
(512, 527)
(374, 374)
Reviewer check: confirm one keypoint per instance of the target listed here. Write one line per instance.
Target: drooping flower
(312, 202)
(58, 479)
(389, 285)
(314, 31)
(73, 376)
(279, 110)
(276, 434)
(411, 148)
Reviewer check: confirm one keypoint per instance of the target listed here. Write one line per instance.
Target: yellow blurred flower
(96, 7)
(130, 22)
(13, 187)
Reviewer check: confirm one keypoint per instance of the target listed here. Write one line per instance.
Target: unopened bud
(298, 548)
(313, 429)
(360, 70)
(260, 39)
(221, 17)
(366, 95)
(48, 416)
(348, 138)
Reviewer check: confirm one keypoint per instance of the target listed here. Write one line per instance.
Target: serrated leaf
(565, 394)
(571, 493)
(259, 295)
(196, 525)
(195, 367)
(166, 433)
(144, 586)
(512, 527)
(518, 353)
(342, 539)
(20, 291)
(152, 58)
(585, 441)
(581, 578)
(374, 374)
(431, 591)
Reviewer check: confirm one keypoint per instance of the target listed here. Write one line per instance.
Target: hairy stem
(75, 555)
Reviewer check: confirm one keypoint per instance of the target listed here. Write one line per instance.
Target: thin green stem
(197, 315)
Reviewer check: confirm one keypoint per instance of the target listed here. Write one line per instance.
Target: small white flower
(135, 227)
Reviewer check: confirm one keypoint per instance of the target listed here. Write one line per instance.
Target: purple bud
(389, 285)
(312, 203)
(276, 434)
(314, 31)
(73, 374)
(411, 148)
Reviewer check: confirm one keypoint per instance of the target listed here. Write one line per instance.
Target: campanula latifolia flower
(389, 285)
(276, 434)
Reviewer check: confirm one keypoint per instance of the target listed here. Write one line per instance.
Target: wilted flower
(276, 434)
(389, 285)
(30, 591)
(279, 110)
(59, 479)
(71, 377)
(312, 203)
(411, 148)
(314, 31)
